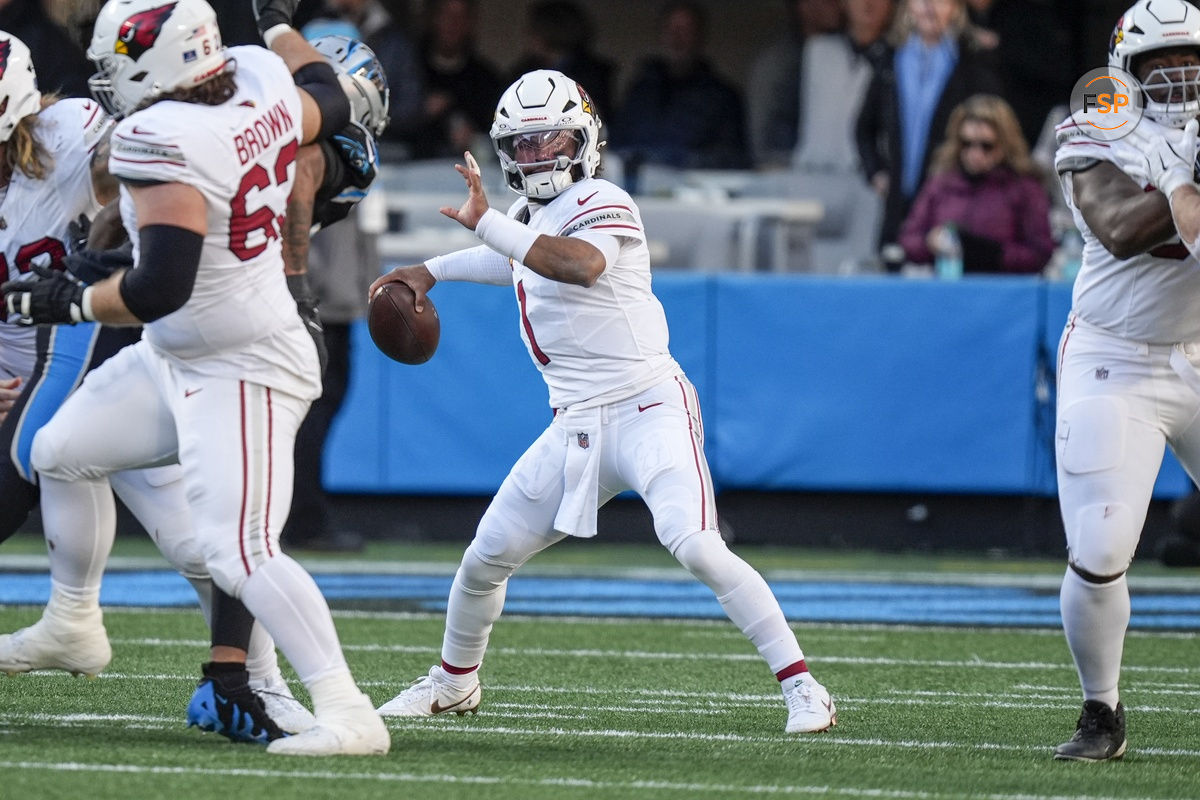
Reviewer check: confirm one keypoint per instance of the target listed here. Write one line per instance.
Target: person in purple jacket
(982, 185)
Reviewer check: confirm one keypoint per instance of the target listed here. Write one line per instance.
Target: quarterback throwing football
(574, 251)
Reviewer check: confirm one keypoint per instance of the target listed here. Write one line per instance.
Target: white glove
(1170, 154)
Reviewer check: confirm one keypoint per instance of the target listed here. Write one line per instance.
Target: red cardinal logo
(139, 33)
(5, 49)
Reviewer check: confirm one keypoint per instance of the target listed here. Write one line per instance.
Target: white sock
(470, 614)
(1095, 617)
(80, 520)
(261, 660)
(745, 596)
(286, 600)
(336, 693)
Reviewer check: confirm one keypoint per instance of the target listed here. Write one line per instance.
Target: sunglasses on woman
(985, 145)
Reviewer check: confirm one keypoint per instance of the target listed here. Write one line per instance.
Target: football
(398, 330)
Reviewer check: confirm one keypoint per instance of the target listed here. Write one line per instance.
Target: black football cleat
(1099, 734)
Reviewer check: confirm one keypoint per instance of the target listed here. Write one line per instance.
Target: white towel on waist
(1182, 366)
(581, 473)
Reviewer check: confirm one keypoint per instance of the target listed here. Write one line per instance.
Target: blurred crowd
(942, 107)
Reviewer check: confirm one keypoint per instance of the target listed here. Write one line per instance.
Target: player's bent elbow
(1123, 240)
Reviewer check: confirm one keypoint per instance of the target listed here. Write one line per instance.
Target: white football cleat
(280, 705)
(433, 694)
(78, 646)
(810, 708)
(356, 731)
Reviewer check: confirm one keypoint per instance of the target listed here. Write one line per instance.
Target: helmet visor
(541, 149)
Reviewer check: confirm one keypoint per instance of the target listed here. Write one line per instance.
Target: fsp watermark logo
(1106, 103)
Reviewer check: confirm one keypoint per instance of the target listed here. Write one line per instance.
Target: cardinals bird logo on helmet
(139, 33)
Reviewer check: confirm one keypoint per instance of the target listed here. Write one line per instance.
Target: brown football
(398, 330)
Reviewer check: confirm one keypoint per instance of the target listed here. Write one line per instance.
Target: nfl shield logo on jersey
(582, 438)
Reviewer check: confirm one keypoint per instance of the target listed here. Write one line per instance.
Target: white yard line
(559, 782)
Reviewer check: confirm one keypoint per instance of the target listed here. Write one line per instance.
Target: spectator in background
(460, 86)
(61, 65)
(1033, 83)
(773, 118)
(384, 34)
(937, 65)
(678, 112)
(836, 71)
(983, 182)
(559, 35)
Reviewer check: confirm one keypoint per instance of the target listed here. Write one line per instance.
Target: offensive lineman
(626, 417)
(225, 369)
(55, 163)
(1126, 362)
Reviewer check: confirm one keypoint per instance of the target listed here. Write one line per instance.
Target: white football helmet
(145, 48)
(362, 78)
(545, 126)
(19, 95)
(1171, 96)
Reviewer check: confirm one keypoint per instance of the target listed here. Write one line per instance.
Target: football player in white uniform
(205, 151)
(56, 152)
(625, 416)
(1127, 382)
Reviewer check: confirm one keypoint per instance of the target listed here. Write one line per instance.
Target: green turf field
(607, 708)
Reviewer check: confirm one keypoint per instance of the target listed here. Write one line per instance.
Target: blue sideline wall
(806, 383)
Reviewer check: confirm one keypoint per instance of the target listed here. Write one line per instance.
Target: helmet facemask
(541, 164)
(1171, 95)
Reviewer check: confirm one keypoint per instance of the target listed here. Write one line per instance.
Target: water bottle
(948, 265)
(1072, 255)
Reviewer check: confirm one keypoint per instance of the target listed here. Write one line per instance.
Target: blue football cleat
(224, 704)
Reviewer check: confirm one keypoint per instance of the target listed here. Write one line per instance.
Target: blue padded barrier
(865, 384)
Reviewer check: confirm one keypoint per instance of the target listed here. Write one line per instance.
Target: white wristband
(88, 315)
(505, 235)
(434, 265)
(274, 32)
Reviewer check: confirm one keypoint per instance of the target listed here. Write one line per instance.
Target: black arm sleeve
(320, 81)
(165, 273)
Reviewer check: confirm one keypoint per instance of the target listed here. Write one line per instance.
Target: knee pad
(1102, 541)
(480, 575)
(705, 555)
(1091, 435)
(226, 568)
(45, 454)
(157, 498)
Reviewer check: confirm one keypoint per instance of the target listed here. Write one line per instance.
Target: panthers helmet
(362, 78)
(545, 126)
(1170, 96)
(143, 49)
(19, 95)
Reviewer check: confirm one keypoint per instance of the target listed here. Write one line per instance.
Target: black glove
(92, 266)
(306, 305)
(269, 13)
(54, 298)
(77, 233)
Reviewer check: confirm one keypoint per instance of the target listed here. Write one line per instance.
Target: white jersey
(34, 214)
(240, 320)
(1152, 297)
(606, 342)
